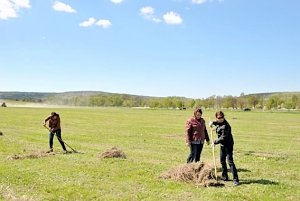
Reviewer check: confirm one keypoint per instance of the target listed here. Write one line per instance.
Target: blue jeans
(58, 135)
(195, 152)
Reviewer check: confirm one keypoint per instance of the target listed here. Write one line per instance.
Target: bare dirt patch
(200, 174)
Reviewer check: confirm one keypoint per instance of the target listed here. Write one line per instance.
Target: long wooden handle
(213, 150)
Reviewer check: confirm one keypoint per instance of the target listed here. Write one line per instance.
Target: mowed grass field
(267, 155)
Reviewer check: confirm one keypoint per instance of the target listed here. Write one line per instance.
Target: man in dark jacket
(54, 125)
(225, 139)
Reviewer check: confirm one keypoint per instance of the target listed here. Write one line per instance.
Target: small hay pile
(7, 193)
(113, 153)
(199, 173)
(32, 155)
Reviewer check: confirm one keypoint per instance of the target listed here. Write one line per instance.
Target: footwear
(236, 183)
(65, 151)
(225, 179)
(50, 150)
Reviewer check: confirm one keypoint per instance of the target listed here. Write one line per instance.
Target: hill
(34, 96)
(272, 100)
(38, 96)
(280, 94)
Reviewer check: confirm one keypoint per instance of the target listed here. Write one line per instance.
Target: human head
(220, 116)
(53, 113)
(198, 113)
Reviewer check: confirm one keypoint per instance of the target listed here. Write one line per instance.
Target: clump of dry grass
(199, 173)
(7, 193)
(33, 155)
(113, 153)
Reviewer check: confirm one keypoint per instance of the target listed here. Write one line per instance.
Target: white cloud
(10, 8)
(21, 3)
(204, 1)
(88, 22)
(103, 23)
(148, 10)
(117, 1)
(172, 18)
(59, 6)
(148, 13)
(199, 1)
(92, 21)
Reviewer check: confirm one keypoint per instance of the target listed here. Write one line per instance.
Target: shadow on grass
(259, 181)
(243, 170)
(238, 169)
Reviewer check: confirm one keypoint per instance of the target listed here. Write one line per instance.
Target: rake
(75, 151)
(213, 151)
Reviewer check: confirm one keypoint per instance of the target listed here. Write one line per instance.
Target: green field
(267, 155)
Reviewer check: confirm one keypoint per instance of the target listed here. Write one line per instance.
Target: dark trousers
(195, 152)
(227, 151)
(58, 135)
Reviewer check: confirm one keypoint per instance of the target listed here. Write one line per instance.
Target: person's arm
(206, 135)
(212, 123)
(205, 131)
(188, 133)
(47, 119)
(224, 134)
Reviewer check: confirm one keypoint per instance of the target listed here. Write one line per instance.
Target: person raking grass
(55, 129)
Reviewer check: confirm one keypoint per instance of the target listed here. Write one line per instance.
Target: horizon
(184, 48)
(216, 95)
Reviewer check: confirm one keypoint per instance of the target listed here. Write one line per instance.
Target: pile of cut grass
(113, 153)
(201, 174)
(33, 155)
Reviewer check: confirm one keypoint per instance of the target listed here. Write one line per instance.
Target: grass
(266, 155)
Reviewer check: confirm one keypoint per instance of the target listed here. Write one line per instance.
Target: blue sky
(190, 48)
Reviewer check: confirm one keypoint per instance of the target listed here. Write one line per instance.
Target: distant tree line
(29, 99)
(274, 101)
